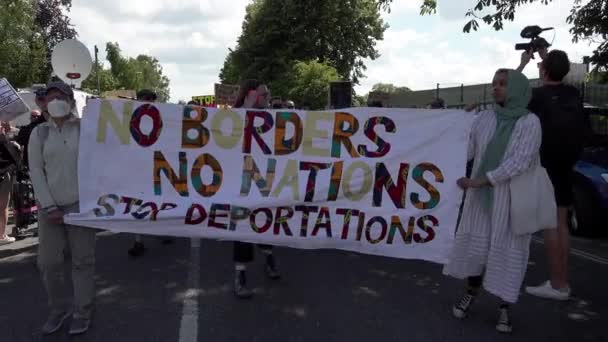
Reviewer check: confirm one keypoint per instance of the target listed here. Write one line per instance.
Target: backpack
(43, 132)
(566, 127)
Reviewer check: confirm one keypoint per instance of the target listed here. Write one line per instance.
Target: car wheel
(585, 214)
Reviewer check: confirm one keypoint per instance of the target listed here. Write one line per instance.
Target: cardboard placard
(11, 104)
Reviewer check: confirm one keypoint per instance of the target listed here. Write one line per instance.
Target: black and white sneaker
(461, 309)
(271, 268)
(241, 290)
(504, 322)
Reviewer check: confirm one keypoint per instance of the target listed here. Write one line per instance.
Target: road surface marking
(579, 253)
(188, 327)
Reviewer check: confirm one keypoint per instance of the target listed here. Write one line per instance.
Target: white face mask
(58, 108)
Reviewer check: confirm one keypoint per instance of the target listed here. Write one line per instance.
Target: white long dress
(484, 242)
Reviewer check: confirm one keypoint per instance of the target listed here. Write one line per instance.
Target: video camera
(536, 41)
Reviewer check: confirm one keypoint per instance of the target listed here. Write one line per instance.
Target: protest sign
(11, 104)
(205, 100)
(226, 94)
(119, 94)
(373, 180)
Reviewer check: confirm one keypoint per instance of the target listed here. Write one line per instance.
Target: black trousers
(475, 282)
(243, 251)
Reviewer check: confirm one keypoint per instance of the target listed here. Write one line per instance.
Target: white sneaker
(545, 290)
(6, 240)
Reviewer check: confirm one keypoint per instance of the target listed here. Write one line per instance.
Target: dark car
(590, 211)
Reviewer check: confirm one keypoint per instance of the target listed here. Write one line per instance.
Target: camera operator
(565, 127)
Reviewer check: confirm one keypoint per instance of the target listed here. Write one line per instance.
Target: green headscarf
(515, 106)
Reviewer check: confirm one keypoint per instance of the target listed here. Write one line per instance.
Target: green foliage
(143, 72)
(390, 88)
(106, 81)
(309, 86)
(52, 22)
(276, 33)
(22, 50)
(359, 100)
(590, 22)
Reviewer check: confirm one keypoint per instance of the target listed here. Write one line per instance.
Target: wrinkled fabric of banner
(373, 180)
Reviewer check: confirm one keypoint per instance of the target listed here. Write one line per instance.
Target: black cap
(41, 92)
(62, 87)
(146, 93)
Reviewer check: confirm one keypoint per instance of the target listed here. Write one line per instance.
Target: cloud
(191, 39)
(420, 57)
(454, 10)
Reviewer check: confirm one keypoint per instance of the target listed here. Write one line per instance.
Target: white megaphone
(71, 62)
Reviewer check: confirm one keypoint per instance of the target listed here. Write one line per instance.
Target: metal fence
(460, 96)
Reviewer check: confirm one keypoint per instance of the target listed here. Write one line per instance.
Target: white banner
(11, 104)
(374, 180)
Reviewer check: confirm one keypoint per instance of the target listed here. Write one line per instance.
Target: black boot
(271, 268)
(137, 250)
(241, 290)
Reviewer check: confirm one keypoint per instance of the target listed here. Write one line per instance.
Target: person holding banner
(10, 156)
(53, 161)
(253, 94)
(504, 143)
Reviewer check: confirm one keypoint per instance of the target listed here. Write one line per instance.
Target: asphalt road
(182, 292)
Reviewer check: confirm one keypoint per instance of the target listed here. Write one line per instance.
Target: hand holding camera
(536, 44)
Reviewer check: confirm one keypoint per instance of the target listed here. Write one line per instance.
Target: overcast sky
(191, 39)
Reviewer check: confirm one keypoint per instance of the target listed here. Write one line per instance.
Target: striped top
(484, 242)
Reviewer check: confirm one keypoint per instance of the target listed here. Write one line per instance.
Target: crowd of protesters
(506, 141)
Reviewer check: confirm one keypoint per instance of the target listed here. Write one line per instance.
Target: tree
(360, 100)
(309, 86)
(106, 81)
(143, 72)
(588, 21)
(22, 51)
(390, 88)
(275, 33)
(54, 26)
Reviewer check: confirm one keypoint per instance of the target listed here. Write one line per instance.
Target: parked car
(589, 216)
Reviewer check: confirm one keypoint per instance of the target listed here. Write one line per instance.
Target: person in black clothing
(146, 95)
(253, 94)
(138, 249)
(565, 128)
(375, 103)
(9, 159)
(437, 103)
(23, 137)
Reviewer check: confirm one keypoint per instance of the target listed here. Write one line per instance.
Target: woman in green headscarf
(504, 143)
